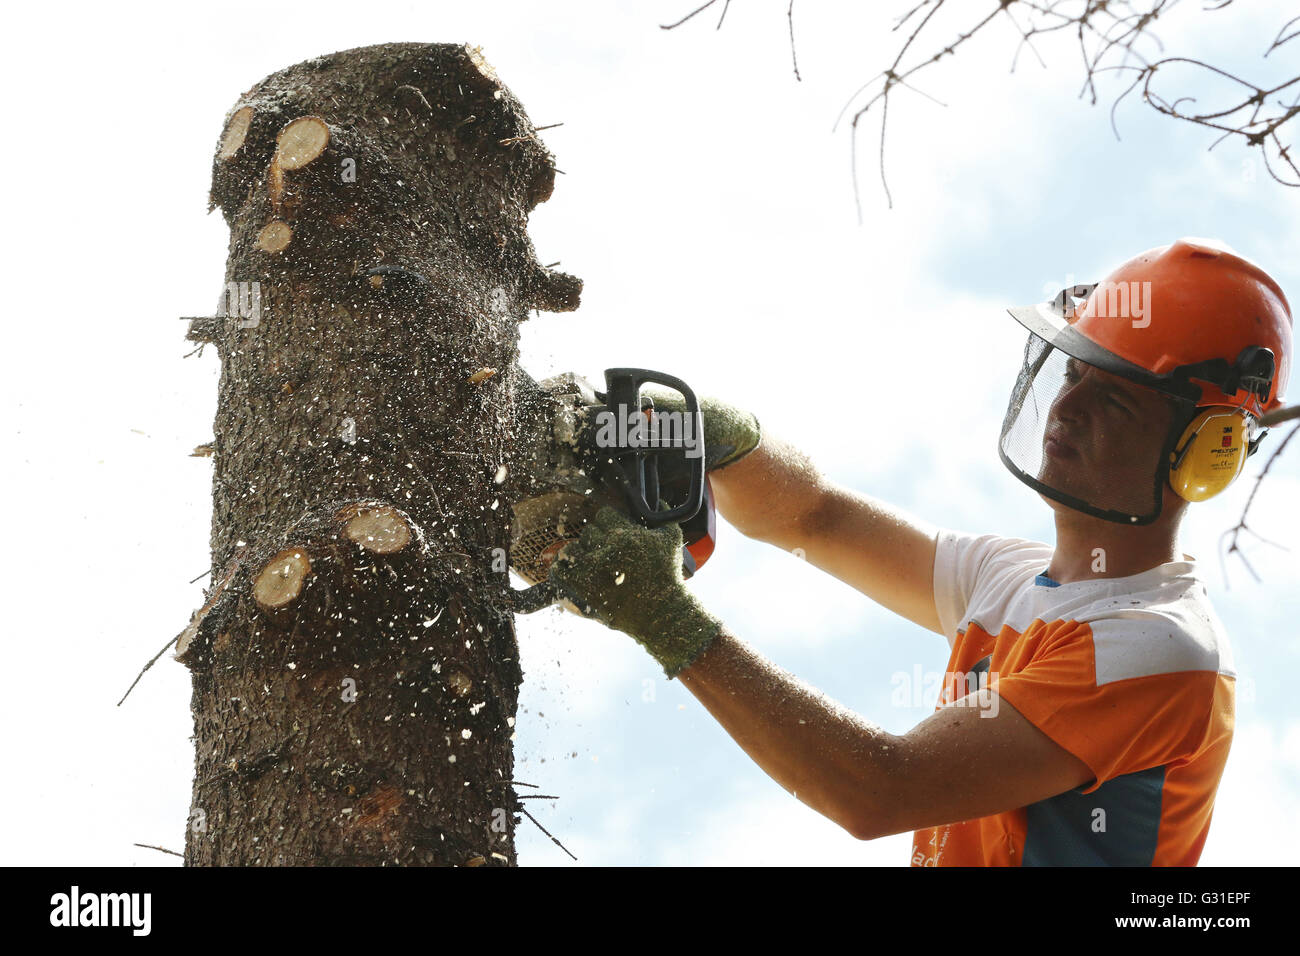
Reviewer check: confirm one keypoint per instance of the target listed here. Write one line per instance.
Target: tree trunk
(354, 666)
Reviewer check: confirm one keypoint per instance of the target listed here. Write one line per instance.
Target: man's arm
(968, 760)
(961, 762)
(775, 494)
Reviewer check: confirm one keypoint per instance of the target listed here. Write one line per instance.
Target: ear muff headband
(1210, 454)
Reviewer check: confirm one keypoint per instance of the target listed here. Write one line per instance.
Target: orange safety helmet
(1192, 320)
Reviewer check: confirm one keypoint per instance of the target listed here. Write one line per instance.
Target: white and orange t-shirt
(1132, 675)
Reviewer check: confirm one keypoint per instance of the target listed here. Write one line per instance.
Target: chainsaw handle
(639, 468)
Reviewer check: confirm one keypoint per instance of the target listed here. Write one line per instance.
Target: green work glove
(729, 433)
(629, 578)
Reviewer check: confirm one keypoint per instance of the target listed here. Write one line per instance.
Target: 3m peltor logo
(102, 909)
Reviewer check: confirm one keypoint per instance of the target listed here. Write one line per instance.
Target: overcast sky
(708, 207)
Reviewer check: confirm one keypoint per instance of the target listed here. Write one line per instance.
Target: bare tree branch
(1281, 38)
(160, 849)
(700, 9)
(1109, 34)
(1279, 416)
(789, 15)
(1233, 534)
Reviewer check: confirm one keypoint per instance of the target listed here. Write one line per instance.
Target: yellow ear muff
(1210, 454)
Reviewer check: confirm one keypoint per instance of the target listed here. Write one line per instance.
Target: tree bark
(355, 671)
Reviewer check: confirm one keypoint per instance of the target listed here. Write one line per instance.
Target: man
(1087, 709)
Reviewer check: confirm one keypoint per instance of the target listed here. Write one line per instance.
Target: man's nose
(1072, 401)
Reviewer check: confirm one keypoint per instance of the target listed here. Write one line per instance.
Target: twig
(789, 15)
(160, 849)
(1283, 39)
(547, 832)
(1279, 416)
(1235, 532)
(152, 661)
(700, 9)
(1106, 30)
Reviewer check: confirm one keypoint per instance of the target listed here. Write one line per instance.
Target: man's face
(1103, 439)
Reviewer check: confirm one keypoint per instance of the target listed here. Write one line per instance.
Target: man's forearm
(776, 495)
(770, 493)
(825, 755)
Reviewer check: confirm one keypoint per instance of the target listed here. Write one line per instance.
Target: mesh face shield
(1088, 435)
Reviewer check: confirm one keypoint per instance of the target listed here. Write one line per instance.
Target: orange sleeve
(1119, 727)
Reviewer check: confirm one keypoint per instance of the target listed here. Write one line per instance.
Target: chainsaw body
(587, 449)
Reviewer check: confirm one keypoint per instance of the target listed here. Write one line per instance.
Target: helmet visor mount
(1087, 428)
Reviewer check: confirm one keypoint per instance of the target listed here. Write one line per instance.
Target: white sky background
(707, 206)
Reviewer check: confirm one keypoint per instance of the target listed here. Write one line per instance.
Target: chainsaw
(589, 449)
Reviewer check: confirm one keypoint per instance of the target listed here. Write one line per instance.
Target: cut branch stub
(204, 618)
(282, 580)
(475, 54)
(542, 186)
(380, 529)
(235, 134)
(313, 573)
(553, 291)
(204, 329)
(301, 142)
(275, 236)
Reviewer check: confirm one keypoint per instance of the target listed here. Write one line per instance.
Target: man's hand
(630, 578)
(729, 433)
